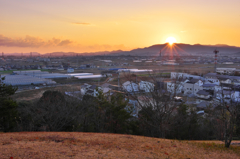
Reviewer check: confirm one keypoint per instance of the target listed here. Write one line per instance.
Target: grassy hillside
(97, 145)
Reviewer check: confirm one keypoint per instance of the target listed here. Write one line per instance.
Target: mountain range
(154, 50)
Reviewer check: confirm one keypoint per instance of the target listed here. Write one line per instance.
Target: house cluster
(207, 89)
(93, 90)
(127, 87)
(227, 71)
(19, 67)
(143, 86)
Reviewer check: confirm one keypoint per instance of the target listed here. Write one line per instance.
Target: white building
(130, 86)
(225, 80)
(228, 96)
(85, 88)
(93, 90)
(176, 86)
(146, 86)
(70, 70)
(203, 94)
(212, 80)
(177, 75)
(170, 62)
(225, 70)
(207, 86)
(193, 86)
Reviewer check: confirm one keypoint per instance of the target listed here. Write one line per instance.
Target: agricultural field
(11, 71)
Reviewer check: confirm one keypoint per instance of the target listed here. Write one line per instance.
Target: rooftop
(203, 92)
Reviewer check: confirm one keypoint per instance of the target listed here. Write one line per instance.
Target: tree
(118, 114)
(155, 106)
(238, 122)
(180, 126)
(229, 113)
(8, 107)
(53, 113)
(108, 113)
(25, 116)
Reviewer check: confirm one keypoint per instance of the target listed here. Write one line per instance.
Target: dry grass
(96, 145)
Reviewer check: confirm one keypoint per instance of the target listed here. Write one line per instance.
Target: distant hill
(154, 50)
(183, 49)
(85, 53)
(22, 54)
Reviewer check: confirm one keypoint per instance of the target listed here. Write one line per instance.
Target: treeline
(55, 111)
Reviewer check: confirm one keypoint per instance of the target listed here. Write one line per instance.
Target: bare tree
(156, 105)
(228, 113)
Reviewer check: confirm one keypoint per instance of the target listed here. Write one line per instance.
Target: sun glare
(171, 40)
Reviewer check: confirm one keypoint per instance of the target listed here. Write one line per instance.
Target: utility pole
(118, 82)
(215, 60)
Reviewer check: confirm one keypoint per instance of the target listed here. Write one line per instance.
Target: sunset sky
(98, 25)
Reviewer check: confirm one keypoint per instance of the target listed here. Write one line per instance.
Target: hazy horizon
(165, 47)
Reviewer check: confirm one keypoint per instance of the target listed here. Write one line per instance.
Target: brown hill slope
(97, 145)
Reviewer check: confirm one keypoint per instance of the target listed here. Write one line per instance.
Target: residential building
(228, 96)
(176, 87)
(70, 70)
(146, 86)
(226, 71)
(193, 86)
(204, 94)
(130, 87)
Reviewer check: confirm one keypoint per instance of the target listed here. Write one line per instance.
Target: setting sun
(171, 40)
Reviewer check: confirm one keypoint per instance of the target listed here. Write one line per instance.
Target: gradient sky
(97, 25)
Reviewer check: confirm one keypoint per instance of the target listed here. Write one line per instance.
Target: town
(199, 87)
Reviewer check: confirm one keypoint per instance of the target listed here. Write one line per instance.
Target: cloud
(64, 42)
(79, 23)
(30, 41)
(183, 31)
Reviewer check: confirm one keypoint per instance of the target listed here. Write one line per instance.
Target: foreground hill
(97, 145)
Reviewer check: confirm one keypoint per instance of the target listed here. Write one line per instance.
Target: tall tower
(2, 54)
(30, 54)
(215, 60)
